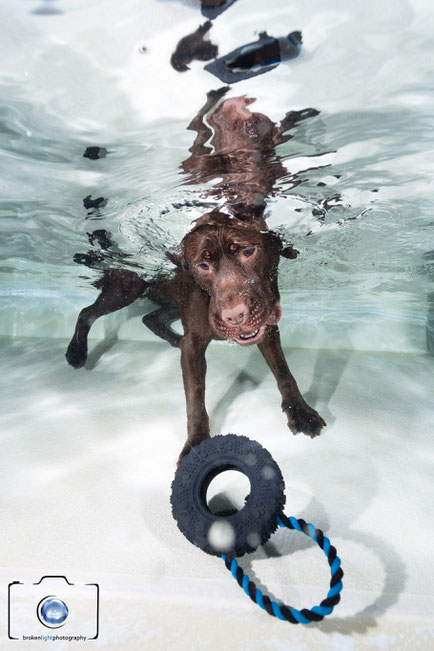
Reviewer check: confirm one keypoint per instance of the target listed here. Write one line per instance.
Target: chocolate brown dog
(225, 281)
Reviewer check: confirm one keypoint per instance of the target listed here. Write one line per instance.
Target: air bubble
(268, 472)
(221, 536)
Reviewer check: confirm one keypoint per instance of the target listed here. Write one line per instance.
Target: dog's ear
(284, 249)
(177, 257)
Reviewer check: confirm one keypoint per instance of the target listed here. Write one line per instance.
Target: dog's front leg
(119, 288)
(301, 417)
(193, 366)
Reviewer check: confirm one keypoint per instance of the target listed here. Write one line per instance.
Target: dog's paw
(76, 354)
(189, 445)
(302, 418)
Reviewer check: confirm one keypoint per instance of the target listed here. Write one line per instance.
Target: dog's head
(236, 264)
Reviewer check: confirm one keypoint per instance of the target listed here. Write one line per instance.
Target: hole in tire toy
(232, 533)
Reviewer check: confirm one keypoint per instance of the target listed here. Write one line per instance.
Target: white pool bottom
(87, 462)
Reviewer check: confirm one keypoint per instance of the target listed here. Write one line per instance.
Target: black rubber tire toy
(256, 521)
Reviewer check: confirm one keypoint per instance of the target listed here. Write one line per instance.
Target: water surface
(356, 200)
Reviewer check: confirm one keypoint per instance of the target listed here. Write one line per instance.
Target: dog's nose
(235, 316)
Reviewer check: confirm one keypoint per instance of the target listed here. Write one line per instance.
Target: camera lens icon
(52, 612)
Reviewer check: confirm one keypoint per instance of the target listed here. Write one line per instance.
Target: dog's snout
(236, 315)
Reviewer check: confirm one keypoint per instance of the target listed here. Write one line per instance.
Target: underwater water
(356, 199)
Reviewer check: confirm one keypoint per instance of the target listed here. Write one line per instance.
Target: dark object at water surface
(90, 203)
(192, 47)
(256, 58)
(213, 8)
(95, 152)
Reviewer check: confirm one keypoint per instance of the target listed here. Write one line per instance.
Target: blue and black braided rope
(287, 613)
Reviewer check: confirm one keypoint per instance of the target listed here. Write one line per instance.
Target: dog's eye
(203, 266)
(249, 252)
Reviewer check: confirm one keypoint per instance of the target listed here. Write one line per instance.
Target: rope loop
(284, 612)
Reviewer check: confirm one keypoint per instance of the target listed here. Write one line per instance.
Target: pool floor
(89, 456)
